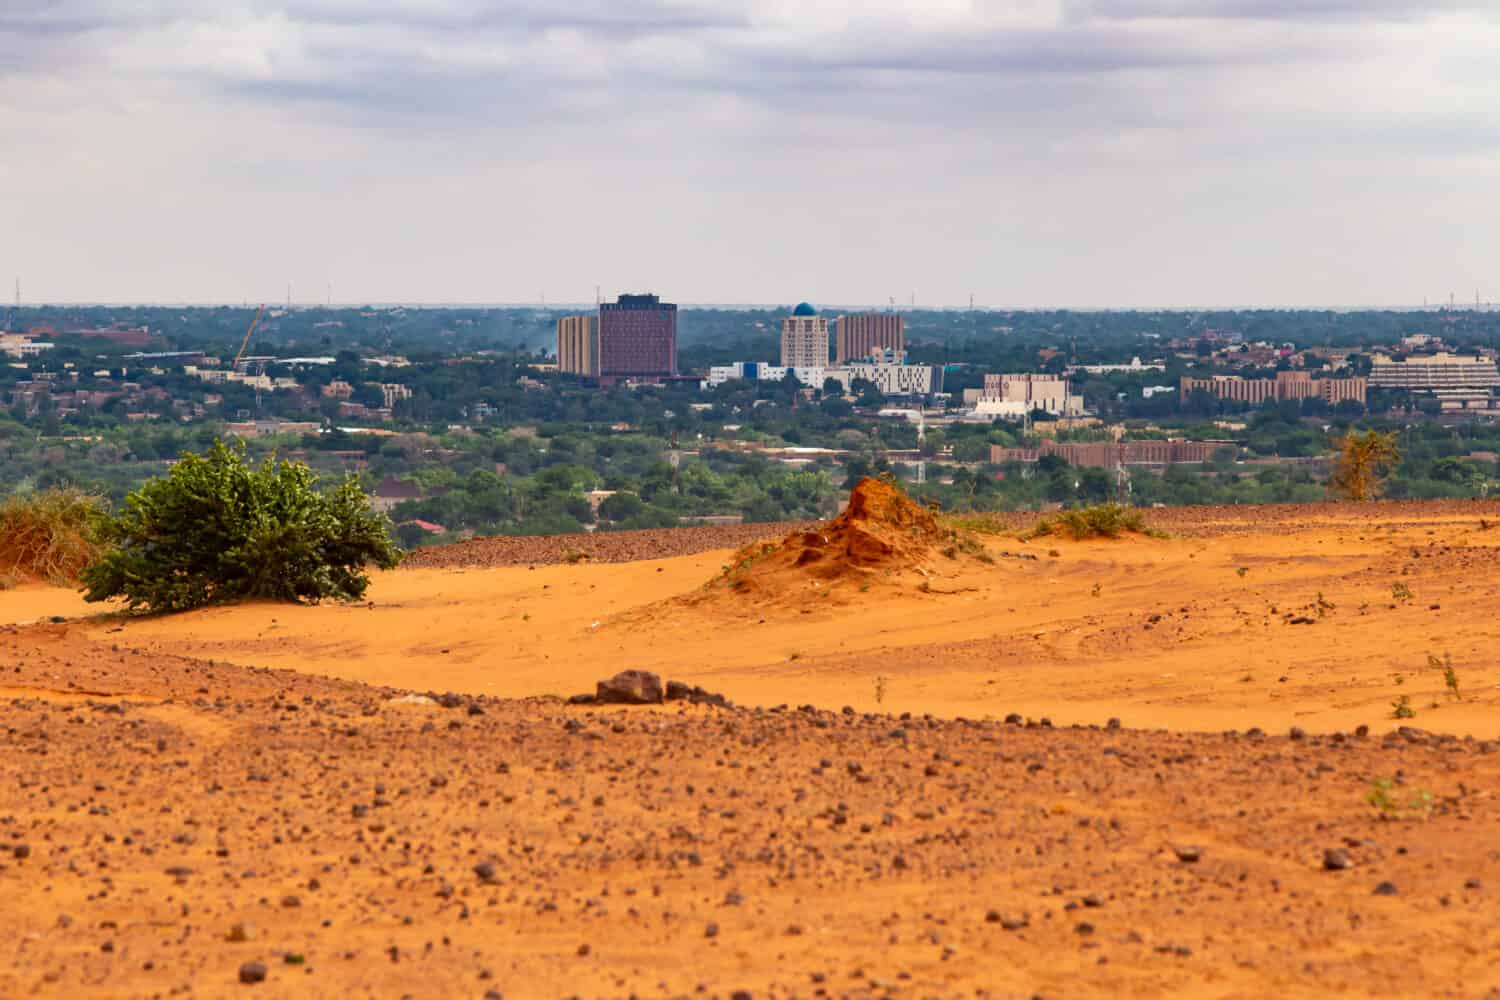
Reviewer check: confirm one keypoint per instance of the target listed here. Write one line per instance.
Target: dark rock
(485, 870)
(1386, 889)
(451, 700)
(678, 691)
(630, 687)
(253, 972)
(1187, 853)
(1336, 859)
(1297, 733)
(698, 696)
(21, 852)
(581, 699)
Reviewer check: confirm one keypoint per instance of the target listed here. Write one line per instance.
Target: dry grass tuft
(1108, 520)
(50, 536)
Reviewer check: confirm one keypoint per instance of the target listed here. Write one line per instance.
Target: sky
(1033, 153)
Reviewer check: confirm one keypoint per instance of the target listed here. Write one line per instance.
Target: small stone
(1336, 859)
(1386, 889)
(1297, 733)
(485, 870)
(711, 931)
(21, 852)
(242, 932)
(1188, 854)
(253, 972)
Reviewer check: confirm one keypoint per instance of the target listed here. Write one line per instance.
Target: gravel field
(177, 827)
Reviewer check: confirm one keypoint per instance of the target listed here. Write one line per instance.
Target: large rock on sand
(630, 687)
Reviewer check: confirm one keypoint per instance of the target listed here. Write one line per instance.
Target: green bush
(215, 529)
(1107, 520)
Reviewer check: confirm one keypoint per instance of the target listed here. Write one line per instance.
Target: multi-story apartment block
(861, 334)
(637, 338)
(804, 339)
(1292, 385)
(577, 345)
(1432, 372)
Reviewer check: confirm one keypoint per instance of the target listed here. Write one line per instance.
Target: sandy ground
(169, 826)
(1298, 619)
(189, 801)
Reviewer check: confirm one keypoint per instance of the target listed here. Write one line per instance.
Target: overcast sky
(1087, 153)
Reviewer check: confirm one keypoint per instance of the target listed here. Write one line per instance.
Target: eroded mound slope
(882, 535)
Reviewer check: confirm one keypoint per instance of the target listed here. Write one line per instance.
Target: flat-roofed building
(637, 338)
(1431, 372)
(861, 334)
(804, 339)
(1285, 386)
(577, 345)
(1109, 454)
(1024, 392)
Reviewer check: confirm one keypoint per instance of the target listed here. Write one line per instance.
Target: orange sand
(1159, 633)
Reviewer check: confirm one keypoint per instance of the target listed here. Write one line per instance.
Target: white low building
(890, 379)
(18, 346)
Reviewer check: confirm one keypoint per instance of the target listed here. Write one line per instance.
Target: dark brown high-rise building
(861, 334)
(637, 338)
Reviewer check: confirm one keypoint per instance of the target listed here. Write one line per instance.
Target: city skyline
(1092, 155)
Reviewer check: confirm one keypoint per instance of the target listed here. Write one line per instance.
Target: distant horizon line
(753, 306)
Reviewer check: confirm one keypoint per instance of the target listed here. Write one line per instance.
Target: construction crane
(253, 324)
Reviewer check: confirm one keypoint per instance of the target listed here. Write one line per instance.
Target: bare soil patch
(355, 845)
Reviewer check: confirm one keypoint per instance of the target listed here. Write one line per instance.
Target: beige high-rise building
(577, 345)
(804, 339)
(863, 333)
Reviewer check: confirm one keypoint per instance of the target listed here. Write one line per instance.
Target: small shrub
(1384, 798)
(1450, 676)
(1401, 708)
(1400, 591)
(880, 685)
(214, 529)
(1109, 520)
(1241, 571)
(50, 537)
